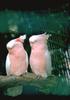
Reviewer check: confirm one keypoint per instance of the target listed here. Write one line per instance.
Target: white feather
(26, 59)
(49, 64)
(23, 37)
(8, 65)
(10, 44)
(33, 38)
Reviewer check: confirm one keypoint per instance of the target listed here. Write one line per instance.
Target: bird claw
(38, 77)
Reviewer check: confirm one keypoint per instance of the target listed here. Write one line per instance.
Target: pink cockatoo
(40, 58)
(17, 57)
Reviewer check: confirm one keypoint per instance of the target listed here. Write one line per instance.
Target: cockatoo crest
(47, 36)
(36, 37)
(11, 43)
(23, 37)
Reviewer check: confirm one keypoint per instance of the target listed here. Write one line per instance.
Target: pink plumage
(40, 58)
(17, 58)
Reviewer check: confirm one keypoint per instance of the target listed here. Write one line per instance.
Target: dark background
(54, 17)
(34, 4)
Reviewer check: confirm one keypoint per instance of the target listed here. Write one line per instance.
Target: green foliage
(32, 22)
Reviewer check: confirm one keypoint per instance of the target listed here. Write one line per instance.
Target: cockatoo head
(13, 42)
(36, 38)
(33, 39)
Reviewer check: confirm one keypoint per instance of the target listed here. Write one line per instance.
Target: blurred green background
(34, 22)
(52, 17)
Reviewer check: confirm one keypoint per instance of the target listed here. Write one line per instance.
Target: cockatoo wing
(26, 59)
(48, 63)
(8, 63)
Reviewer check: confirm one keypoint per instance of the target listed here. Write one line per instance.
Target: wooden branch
(44, 85)
(5, 80)
(26, 79)
(29, 78)
(11, 84)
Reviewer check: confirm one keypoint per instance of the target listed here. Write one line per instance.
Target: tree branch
(43, 85)
(8, 81)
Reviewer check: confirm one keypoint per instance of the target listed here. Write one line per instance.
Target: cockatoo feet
(24, 73)
(38, 77)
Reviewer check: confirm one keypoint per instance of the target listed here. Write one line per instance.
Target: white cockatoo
(17, 57)
(40, 58)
